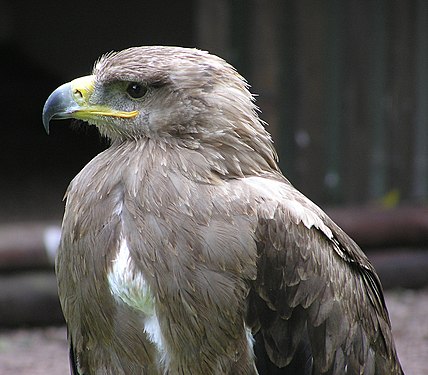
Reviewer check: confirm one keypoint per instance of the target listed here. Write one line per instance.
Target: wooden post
(28, 246)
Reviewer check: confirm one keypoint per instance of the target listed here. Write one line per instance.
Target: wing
(317, 304)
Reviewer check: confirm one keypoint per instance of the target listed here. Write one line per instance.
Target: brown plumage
(184, 249)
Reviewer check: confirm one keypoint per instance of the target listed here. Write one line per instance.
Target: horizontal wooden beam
(373, 227)
(28, 246)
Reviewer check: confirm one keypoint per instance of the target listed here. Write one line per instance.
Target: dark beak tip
(46, 122)
(58, 105)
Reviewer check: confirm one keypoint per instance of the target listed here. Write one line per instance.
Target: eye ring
(136, 90)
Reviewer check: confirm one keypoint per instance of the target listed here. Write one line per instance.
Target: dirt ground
(44, 351)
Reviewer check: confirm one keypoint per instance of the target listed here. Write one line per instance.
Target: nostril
(78, 93)
(81, 89)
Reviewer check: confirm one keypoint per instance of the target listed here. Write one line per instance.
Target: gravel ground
(44, 351)
(408, 310)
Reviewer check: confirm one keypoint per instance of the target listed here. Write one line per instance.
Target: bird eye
(136, 90)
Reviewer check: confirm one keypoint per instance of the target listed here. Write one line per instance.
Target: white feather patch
(129, 286)
(152, 328)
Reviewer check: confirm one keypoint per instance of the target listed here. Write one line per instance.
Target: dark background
(343, 85)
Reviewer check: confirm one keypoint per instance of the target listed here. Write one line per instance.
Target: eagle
(184, 249)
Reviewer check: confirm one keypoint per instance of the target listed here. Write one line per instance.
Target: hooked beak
(72, 100)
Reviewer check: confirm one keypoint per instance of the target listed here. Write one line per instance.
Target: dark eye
(136, 90)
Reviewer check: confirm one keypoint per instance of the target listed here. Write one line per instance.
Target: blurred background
(343, 85)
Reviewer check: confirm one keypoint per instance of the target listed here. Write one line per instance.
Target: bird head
(179, 95)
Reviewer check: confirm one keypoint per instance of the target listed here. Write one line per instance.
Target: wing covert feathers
(315, 287)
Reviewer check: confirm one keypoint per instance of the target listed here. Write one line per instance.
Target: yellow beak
(72, 100)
